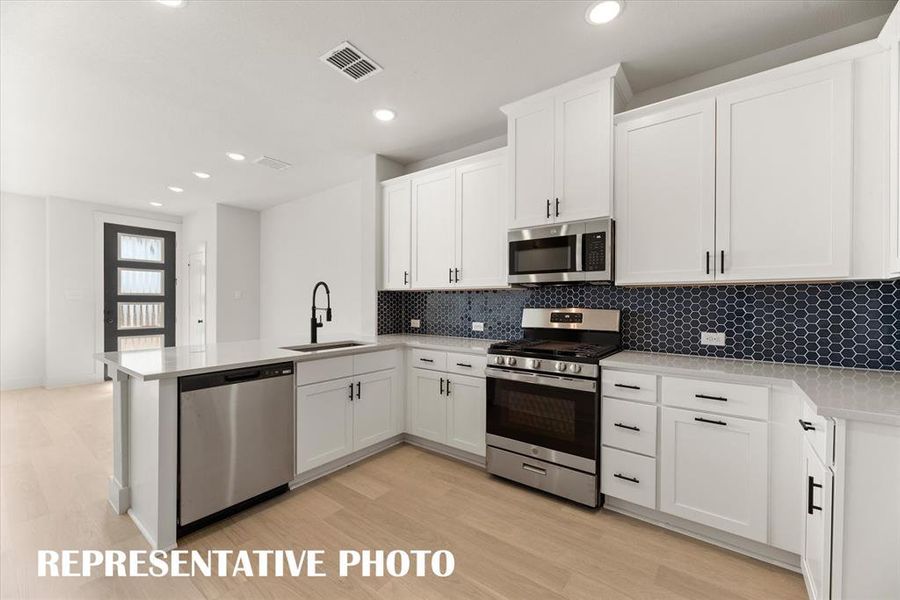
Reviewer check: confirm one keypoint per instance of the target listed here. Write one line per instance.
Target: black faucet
(314, 323)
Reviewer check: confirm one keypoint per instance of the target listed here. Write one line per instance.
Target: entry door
(138, 288)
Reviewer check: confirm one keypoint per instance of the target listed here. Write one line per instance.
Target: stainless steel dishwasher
(235, 441)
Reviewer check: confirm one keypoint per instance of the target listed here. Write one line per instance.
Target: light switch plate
(709, 338)
(477, 326)
(415, 323)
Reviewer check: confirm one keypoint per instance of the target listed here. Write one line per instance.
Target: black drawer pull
(811, 485)
(710, 421)
(625, 385)
(631, 427)
(468, 366)
(807, 426)
(705, 397)
(626, 478)
(426, 360)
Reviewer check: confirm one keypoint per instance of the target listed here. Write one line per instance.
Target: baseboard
(460, 455)
(723, 539)
(21, 383)
(119, 497)
(345, 461)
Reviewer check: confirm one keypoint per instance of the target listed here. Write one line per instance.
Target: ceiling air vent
(272, 163)
(350, 61)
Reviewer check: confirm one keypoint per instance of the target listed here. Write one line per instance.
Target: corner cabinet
(560, 151)
(445, 227)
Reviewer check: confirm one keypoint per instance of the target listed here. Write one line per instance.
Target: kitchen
(651, 321)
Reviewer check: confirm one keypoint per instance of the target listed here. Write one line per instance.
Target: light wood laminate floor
(509, 542)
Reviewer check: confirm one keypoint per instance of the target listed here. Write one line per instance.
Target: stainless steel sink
(323, 346)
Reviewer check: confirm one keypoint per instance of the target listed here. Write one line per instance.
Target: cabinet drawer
(630, 386)
(815, 430)
(466, 364)
(325, 369)
(715, 396)
(629, 426)
(429, 359)
(628, 476)
(374, 361)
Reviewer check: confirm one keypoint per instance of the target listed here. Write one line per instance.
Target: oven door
(546, 254)
(548, 417)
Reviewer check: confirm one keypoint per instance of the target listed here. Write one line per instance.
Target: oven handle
(584, 385)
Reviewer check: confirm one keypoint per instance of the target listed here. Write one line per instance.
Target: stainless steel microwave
(568, 252)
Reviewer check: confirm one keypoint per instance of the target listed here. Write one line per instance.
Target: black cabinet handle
(707, 262)
(442, 386)
(351, 391)
(626, 478)
(428, 360)
(623, 426)
(705, 397)
(456, 275)
(811, 485)
(548, 208)
(358, 390)
(405, 277)
(557, 207)
(448, 386)
(468, 366)
(710, 421)
(806, 425)
(450, 275)
(626, 386)
(722, 261)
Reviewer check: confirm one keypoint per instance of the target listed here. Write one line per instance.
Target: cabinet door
(373, 408)
(481, 224)
(815, 556)
(466, 413)
(324, 423)
(894, 250)
(531, 139)
(428, 405)
(665, 196)
(715, 471)
(784, 180)
(583, 166)
(396, 207)
(433, 231)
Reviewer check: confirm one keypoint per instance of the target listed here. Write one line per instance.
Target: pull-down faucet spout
(315, 323)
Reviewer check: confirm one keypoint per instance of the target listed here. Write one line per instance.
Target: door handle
(358, 390)
(626, 478)
(710, 421)
(548, 208)
(722, 262)
(450, 275)
(707, 262)
(557, 206)
(456, 274)
(623, 426)
(442, 386)
(811, 485)
(405, 277)
(448, 386)
(533, 469)
(351, 391)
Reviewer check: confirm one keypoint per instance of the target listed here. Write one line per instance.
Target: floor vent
(272, 163)
(350, 61)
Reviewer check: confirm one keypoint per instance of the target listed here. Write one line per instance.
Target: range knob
(561, 366)
(535, 363)
(511, 361)
(498, 360)
(575, 368)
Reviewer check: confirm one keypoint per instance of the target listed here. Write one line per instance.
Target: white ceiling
(113, 101)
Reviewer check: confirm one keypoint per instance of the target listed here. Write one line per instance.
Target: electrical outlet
(709, 338)
(477, 326)
(415, 323)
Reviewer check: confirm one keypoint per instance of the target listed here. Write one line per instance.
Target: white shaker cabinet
(427, 407)
(665, 196)
(466, 413)
(374, 407)
(815, 553)
(480, 223)
(433, 229)
(714, 471)
(894, 215)
(397, 206)
(324, 422)
(784, 178)
(531, 138)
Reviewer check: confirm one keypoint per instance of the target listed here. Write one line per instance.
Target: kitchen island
(144, 481)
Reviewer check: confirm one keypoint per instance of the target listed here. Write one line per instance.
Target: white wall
(237, 281)
(304, 241)
(22, 290)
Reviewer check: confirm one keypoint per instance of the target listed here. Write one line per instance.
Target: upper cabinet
(894, 212)
(751, 181)
(560, 151)
(445, 227)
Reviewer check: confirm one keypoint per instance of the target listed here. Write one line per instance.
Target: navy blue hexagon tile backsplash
(853, 324)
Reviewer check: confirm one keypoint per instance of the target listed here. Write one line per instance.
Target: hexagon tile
(852, 324)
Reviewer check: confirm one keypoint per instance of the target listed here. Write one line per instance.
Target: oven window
(556, 418)
(546, 255)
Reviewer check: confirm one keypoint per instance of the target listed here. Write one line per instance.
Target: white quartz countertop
(856, 394)
(179, 361)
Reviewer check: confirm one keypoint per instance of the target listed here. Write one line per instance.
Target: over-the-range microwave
(581, 251)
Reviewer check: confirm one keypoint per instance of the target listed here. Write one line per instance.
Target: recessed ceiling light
(201, 175)
(156, 204)
(176, 189)
(384, 114)
(172, 3)
(235, 155)
(603, 12)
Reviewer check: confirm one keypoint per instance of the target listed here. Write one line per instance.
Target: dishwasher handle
(234, 376)
(246, 376)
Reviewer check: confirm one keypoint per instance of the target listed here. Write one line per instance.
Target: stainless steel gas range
(543, 401)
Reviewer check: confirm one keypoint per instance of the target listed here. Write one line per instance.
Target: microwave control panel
(595, 251)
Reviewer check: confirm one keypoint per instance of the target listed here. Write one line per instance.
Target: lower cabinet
(448, 409)
(714, 471)
(373, 408)
(816, 552)
(428, 411)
